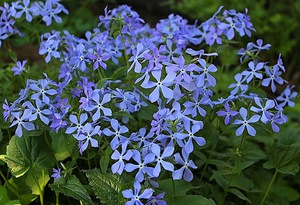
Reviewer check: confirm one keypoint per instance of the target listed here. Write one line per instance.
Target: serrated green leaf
(193, 200)
(284, 158)
(71, 187)
(107, 187)
(239, 194)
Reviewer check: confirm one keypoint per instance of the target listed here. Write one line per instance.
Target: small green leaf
(71, 187)
(107, 187)
(193, 200)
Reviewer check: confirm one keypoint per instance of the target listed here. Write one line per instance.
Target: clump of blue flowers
(146, 93)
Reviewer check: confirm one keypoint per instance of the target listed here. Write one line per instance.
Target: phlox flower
(228, 114)
(266, 115)
(167, 152)
(286, 97)
(135, 196)
(141, 163)
(184, 171)
(160, 85)
(21, 119)
(117, 132)
(125, 154)
(86, 136)
(20, 66)
(245, 123)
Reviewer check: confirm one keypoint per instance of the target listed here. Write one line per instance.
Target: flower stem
(56, 198)
(269, 188)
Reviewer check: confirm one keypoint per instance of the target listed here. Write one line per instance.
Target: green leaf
(193, 200)
(17, 187)
(124, 114)
(242, 182)
(284, 158)
(239, 194)
(286, 192)
(220, 173)
(181, 187)
(62, 145)
(107, 187)
(105, 159)
(4, 199)
(71, 187)
(119, 73)
(30, 156)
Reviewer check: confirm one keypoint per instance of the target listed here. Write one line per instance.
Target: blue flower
(253, 71)
(204, 75)
(286, 97)
(135, 195)
(273, 76)
(184, 171)
(78, 123)
(25, 8)
(22, 121)
(167, 152)
(191, 135)
(56, 173)
(227, 113)
(139, 54)
(157, 200)
(98, 106)
(245, 123)
(160, 85)
(238, 86)
(141, 165)
(266, 115)
(88, 131)
(43, 90)
(38, 111)
(125, 154)
(20, 66)
(117, 133)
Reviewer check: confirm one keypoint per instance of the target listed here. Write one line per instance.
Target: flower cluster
(48, 11)
(163, 70)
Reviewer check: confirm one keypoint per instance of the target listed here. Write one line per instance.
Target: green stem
(51, 148)
(173, 184)
(7, 182)
(269, 188)
(242, 142)
(88, 159)
(56, 198)
(226, 189)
